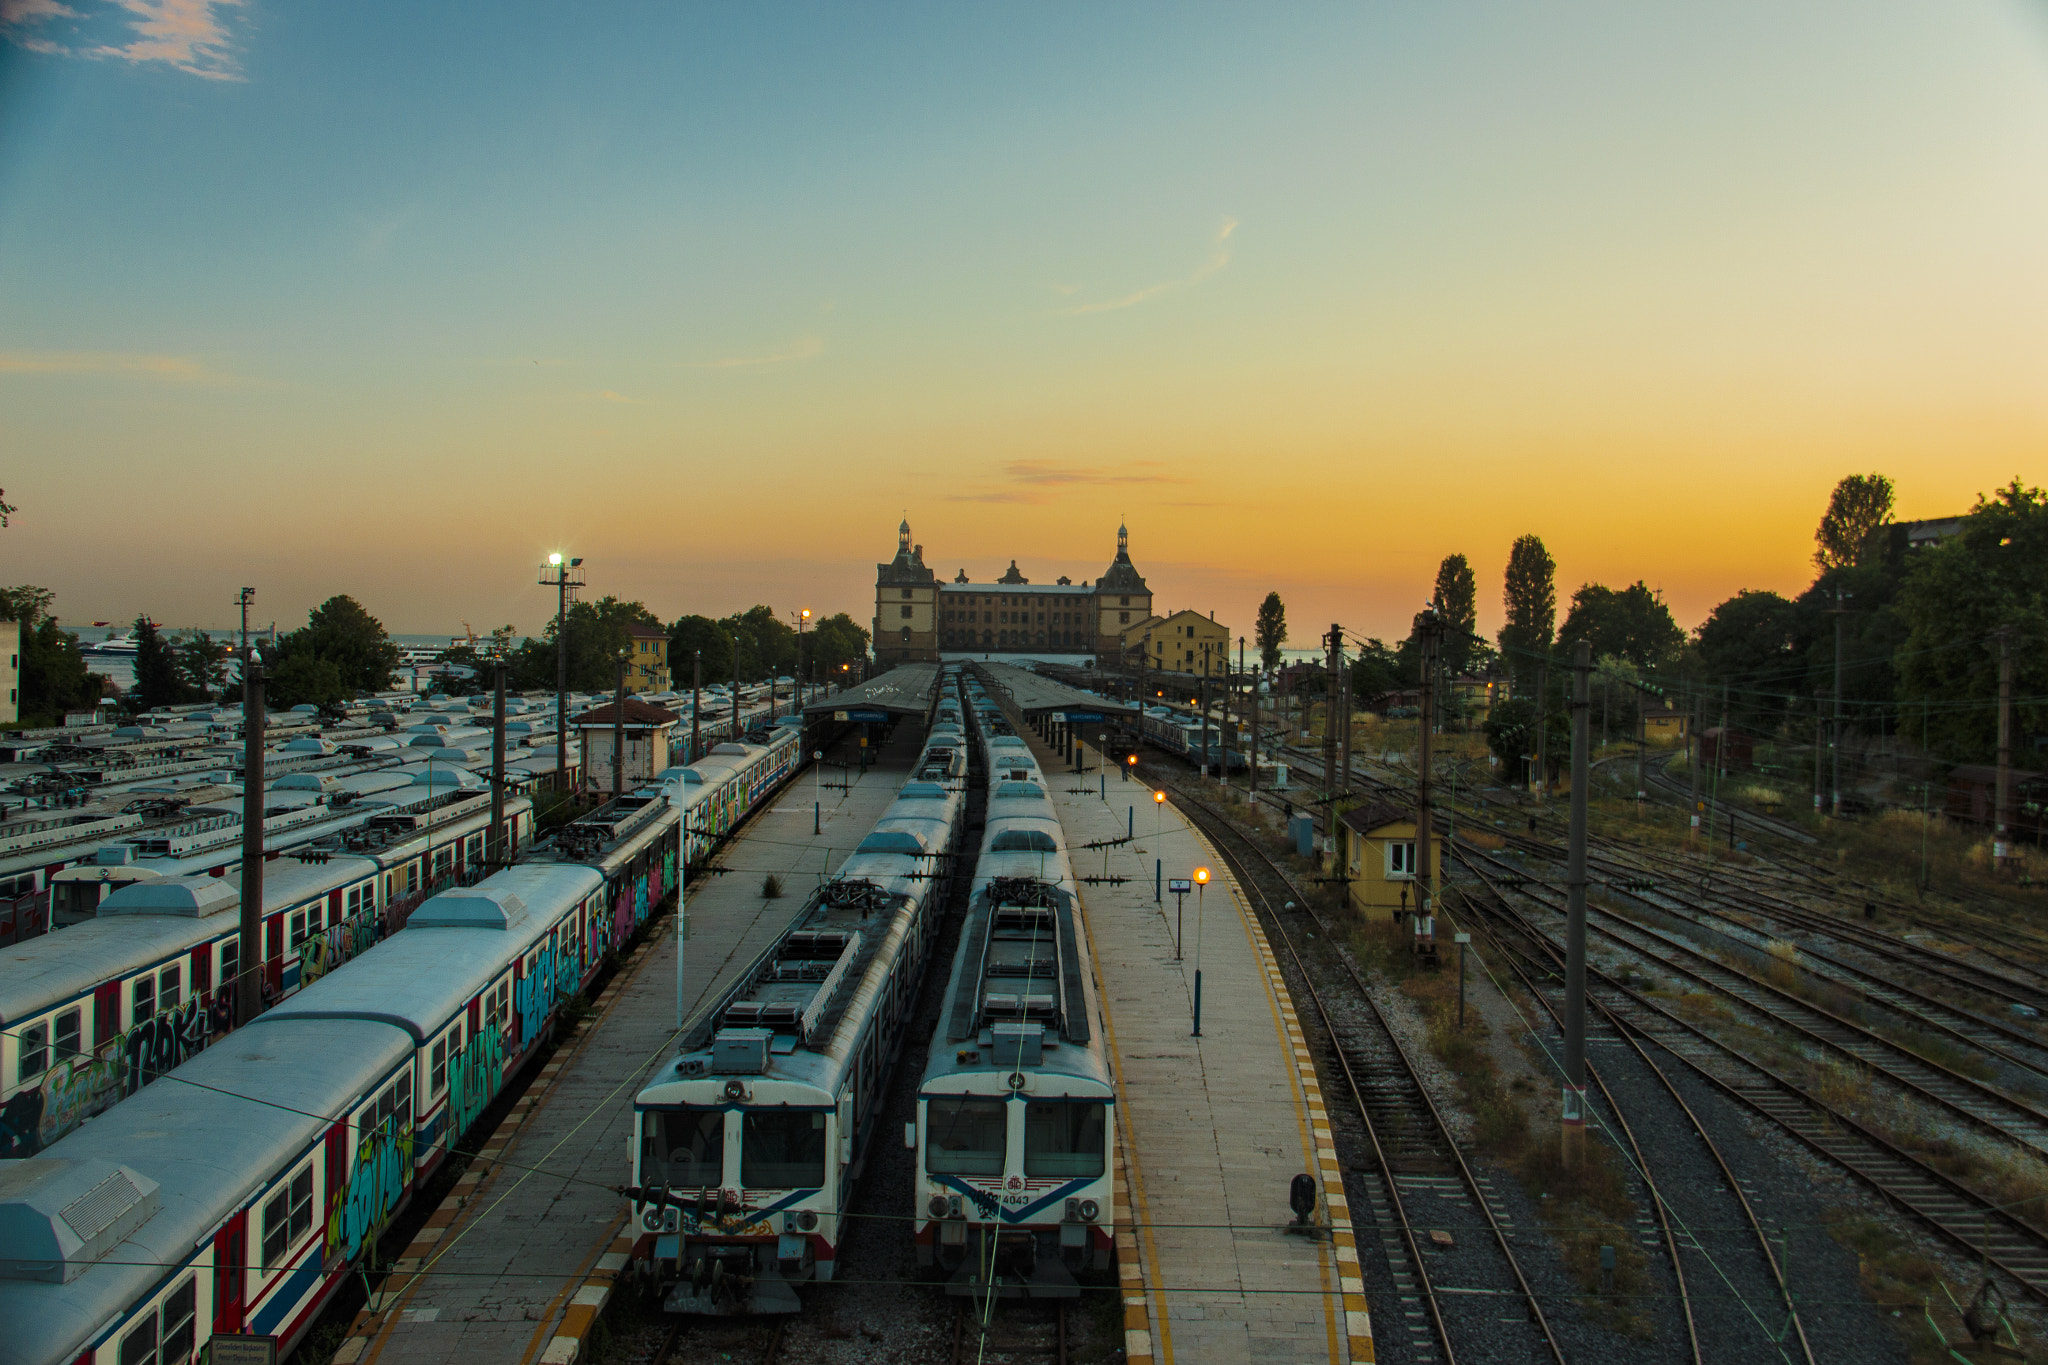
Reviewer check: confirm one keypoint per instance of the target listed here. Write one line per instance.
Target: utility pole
(2001, 839)
(1840, 597)
(1820, 750)
(1344, 714)
(619, 734)
(1252, 765)
(249, 956)
(696, 699)
(1542, 726)
(1694, 750)
(1425, 866)
(1575, 914)
(1330, 723)
(496, 854)
(735, 689)
(247, 596)
(559, 574)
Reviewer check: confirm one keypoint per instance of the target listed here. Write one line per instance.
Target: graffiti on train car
(373, 1190)
(473, 1076)
(535, 997)
(165, 1042)
(337, 944)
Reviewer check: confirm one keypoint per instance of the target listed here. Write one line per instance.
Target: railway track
(1980, 1226)
(1002, 1337)
(1416, 1160)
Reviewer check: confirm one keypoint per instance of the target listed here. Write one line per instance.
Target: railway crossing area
(1213, 1129)
(519, 1259)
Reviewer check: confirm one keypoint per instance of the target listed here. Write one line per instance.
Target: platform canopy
(905, 690)
(1033, 694)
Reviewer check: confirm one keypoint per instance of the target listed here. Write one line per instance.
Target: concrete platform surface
(1214, 1128)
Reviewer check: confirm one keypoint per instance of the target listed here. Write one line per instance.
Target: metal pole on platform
(682, 914)
(1201, 888)
(249, 959)
(498, 854)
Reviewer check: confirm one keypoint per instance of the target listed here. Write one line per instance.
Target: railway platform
(519, 1259)
(1213, 1129)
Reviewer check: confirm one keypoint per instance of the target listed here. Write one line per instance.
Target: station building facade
(918, 618)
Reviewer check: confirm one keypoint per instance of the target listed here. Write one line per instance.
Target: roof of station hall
(906, 689)
(1031, 692)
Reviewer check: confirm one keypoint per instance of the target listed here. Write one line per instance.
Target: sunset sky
(395, 299)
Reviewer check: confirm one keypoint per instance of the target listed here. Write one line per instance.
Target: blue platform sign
(875, 717)
(1082, 717)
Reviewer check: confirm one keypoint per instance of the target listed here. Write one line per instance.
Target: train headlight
(938, 1206)
(1090, 1210)
(807, 1220)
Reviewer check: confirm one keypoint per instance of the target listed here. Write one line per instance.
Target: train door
(230, 1273)
(273, 955)
(106, 1014)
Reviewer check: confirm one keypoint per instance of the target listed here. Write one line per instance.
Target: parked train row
(749, 1141)
(1182, 731)
(236, 1192)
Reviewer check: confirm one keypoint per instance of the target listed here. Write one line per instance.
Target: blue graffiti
(535, 997)
(473, 1076)
(374, 1189)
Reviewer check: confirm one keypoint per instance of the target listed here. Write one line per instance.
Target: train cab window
(782, 1150)
(965, 1137)
(143, 998)
(1063, 1139)
(35, 1052)
(682, 1147)
(1023, 841)
(287, 1216)
(353, 904)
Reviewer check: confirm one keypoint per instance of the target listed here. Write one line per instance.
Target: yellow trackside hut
(1665, 726)
(1376, 850)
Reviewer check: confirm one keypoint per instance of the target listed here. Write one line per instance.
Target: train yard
(944, 1064)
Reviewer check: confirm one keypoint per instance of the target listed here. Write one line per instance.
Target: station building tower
(906, 606)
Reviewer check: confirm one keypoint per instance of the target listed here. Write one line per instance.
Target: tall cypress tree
(1272, 629)
(1529, 595)
(156, 668)
(1457, 600)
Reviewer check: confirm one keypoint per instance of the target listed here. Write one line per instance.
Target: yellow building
(647, 663)
(1665, 726)
(1474, 697)
(1186, 642)
(1376, 850)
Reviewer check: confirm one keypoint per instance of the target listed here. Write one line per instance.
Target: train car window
(139, 1346)
(1063, 1139)
(69, 1026)
(404, 1106)
(965, 1137)
(143, 998)
(169, 988)
(683, 1147)
(287, 1216)
(230, 961)
(179, 1329)
(783, 1150)
(298, 934)
(35, 1052)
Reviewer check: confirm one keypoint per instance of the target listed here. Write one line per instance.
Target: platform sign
(871, 717)
(1082, 717)
(234, 1348)
(1179, 886)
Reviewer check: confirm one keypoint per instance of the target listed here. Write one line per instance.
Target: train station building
(919, 619)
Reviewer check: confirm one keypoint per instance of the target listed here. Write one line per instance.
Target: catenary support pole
(2001, 828)
(696, 703)
(619, 735)
(1425, 785)
(1542, 787)
(1836, 746)
(249, 959)
(498, 854)
(1575, 914)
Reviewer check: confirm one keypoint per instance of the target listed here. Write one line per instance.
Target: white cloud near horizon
(179, 369)
(1219, 256)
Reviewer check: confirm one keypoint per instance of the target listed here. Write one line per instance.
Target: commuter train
(1015, 1109)
(91, 1013)
(236, 1193)
(1181, 731)
(747, 1144)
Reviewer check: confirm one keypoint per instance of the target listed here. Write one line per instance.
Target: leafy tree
(767, 645)
(1751, 642)
(1457, 600)
(838, 645)
(341, 633)
(597, 633)
(1271, 630)
(302, 676)
(54, 678)
(202, 667)
(693, 635)
(156, 669)
(1956, 597)
(1375, 673)
(1860, 504)
(1529, 595)
(1632, 624)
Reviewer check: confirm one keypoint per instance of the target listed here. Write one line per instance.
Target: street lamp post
(561, 576)
(803, 618)
(1201, 886)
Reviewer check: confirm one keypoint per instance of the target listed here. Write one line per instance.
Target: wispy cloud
(610, 397)
(803, 348)
(1035, 482)
(190, 35)
(1219, 256)
(177, 368)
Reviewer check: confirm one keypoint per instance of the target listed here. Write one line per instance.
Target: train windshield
(1063, 1139)
(965, 1137)
(681, 1147)
(1023, 841)
(783, 1150)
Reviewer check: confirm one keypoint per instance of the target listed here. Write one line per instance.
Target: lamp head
(576, 563)
(555, 561)
(1159, 797)
(1202, 875)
